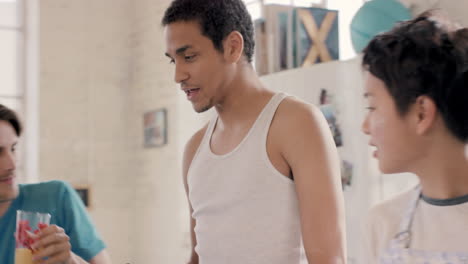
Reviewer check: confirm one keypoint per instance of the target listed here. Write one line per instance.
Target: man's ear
(426, 114)
(233, 46)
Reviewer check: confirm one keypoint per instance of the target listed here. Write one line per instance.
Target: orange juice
(23, 256)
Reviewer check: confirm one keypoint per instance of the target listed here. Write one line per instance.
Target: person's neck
(244, 99)
(444, 174)
(4, 205)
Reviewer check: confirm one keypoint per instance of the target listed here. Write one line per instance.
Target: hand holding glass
(28, 224)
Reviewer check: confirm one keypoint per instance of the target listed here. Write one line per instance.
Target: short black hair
(427, 55)
(217, 19)
(8, 115)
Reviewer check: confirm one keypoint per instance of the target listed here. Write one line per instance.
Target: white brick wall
(103, 66)
(161, 206)
(157, 237)
(84, 81)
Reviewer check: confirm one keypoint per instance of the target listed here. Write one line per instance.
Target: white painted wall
(455, 9)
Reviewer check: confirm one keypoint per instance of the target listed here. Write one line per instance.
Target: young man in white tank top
(263, 177)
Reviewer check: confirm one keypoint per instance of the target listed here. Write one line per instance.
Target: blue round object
(375, 17)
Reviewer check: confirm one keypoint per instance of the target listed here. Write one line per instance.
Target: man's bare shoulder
(192, 145)
(299, 128)
(297, 113)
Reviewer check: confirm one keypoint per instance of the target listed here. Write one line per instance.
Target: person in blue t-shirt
(71, 237)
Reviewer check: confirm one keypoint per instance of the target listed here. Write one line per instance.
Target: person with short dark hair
(417, 90)
(262, 177)
(71, 238)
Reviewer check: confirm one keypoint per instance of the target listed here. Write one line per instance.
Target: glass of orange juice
(28, 223)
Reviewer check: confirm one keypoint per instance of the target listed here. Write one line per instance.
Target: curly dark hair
(8, 115)
(427, 55)
(217, 19)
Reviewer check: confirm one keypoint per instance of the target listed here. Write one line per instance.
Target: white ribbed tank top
(246, 211)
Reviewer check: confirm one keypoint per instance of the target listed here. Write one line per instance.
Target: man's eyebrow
(183, 49)
(367, 95)
(180, 50)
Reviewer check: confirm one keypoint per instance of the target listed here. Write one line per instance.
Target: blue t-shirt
(67, 210)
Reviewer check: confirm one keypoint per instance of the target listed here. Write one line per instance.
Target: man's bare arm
(101, 258)
(310, 151)
(189, 153)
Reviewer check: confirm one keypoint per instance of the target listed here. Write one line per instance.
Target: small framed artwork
(155, 128)
(84, 193)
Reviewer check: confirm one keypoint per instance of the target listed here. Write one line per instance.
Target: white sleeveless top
(245, 210)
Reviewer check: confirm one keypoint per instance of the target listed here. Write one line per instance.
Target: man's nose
(180, 73)
(8, 161)
(365, 125)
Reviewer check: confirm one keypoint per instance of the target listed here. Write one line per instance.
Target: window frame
(27, 86)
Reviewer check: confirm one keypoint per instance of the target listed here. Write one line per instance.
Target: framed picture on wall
(155, 128)
(84, 193)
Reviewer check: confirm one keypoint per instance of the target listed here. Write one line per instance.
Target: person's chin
(387, 168)
(10, 194)
(202, 108)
